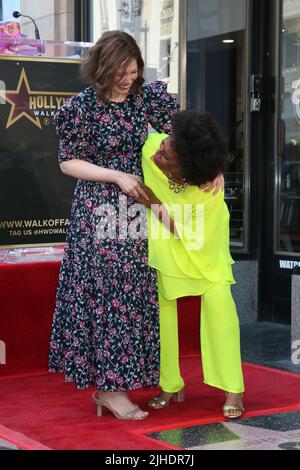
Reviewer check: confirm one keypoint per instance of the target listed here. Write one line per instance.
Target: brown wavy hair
(113, 50)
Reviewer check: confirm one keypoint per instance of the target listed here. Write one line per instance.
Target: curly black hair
(200, 145)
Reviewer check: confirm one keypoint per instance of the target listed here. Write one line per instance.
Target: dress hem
(103, 389)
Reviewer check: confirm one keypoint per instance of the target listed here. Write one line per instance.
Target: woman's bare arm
(157, 208)
(86, 171)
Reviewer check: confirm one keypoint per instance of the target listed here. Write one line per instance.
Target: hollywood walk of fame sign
(35, 198)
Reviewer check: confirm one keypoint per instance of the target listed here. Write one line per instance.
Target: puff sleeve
(73, 124)
(160, 106)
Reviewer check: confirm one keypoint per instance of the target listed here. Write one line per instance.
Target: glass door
(281, 249)
(217, 71)
(287, 207)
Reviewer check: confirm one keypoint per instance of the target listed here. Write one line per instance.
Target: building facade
(240, 60)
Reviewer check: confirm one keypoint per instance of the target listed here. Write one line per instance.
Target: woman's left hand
(217, 183)
(152, 199)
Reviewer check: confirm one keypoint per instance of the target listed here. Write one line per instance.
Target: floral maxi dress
(105, 329)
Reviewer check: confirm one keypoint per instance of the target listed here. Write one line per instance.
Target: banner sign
(35, 197)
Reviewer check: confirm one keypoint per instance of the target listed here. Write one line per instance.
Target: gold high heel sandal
(228, 408)
(157, 403)
(129, 415)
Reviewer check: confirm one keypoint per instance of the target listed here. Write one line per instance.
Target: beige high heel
(228, 408)
(157, 403)
(129, 415)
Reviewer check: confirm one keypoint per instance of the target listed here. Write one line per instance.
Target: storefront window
(154, 25)
(288, 168)
(216, 71)
(55, 20)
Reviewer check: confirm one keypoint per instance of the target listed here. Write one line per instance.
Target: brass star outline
(23, 79)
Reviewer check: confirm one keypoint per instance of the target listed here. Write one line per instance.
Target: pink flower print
(102, 251)
(111, 376)
(127, 267)
(83, 242)
(128, 125)
(114, 141)
(126, 339)
(144, 136)
(96, 240)
(124, 318)
(128, 288)
(112, 331)
(67, 335)
(74, 312)
(138, 291)
(142, 362)
(105, 118)
(54, 345)
(77, 120)
(136, 384)
(115, 303)
(100, 311)
(124, 158)
(124, 359)
(78, 361)
(88, 204)
(99, 383)
(78, 289)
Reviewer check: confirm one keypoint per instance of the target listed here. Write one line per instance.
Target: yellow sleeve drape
(202, 220)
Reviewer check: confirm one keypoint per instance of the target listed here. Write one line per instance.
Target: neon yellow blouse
(202, 220)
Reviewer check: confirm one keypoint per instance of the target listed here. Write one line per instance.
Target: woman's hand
(151, 198)
(217, 183)
(131, 185)
(158, 209)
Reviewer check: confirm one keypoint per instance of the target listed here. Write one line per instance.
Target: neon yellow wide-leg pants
(220, 342)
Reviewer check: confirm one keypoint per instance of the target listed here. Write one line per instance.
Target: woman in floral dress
(105, 328)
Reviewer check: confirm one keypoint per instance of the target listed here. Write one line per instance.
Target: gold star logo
(19, 100)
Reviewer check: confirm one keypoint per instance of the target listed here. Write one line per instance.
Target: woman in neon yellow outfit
(189, 247)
